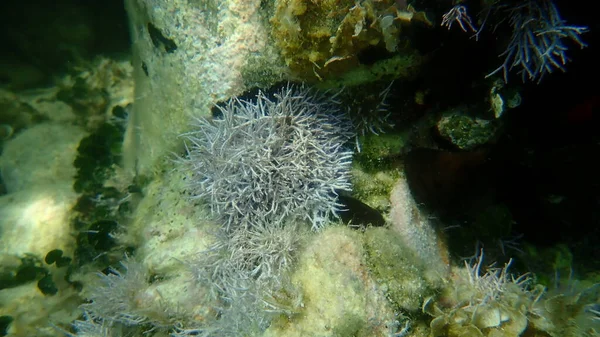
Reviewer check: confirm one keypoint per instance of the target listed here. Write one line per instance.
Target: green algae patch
(373, 188)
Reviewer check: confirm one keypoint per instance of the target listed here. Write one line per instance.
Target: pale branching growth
(569, 308)
(539, 40)
(258, 255)
(372, 114)
(593, 311)
(458, 14)
(538, 45)
(493, 302)
(496, 281)
(478, 301)
(271, 159)
(115, 299)
(246, 271)
(91, 328)
(266, 252)
(244, 317)
(263, 166)
(368, 109)
(241, 259)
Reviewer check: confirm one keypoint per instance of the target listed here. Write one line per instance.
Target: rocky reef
(297, 168)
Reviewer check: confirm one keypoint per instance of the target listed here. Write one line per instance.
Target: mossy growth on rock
(375, 169)
(397, 270)
(324, 39)
(466, 132)
(373, 188)
(380, 151)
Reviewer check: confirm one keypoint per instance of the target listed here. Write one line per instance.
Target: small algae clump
(373, 188)
(324, 39)
(467, 132)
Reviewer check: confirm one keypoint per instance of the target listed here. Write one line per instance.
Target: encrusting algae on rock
(324, 39)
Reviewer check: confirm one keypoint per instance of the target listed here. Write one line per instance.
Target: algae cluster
(325, 39)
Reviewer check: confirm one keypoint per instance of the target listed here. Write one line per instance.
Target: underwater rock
(42, 155)
(340, 298)
(208, 52)
(466, 132)
(446, 182)
(399, 271)
(417, 230)
(491, 301)
(16, 114)
(36, 220)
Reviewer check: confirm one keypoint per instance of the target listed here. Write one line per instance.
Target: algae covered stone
(324, 39)
(340, 298)
(396, 269)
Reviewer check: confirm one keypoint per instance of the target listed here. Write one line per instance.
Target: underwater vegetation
(239, 164)
(494, 302)
(112, 300)
(539, 39)
(297, 211)
(264, 166)
(271, 160)
(537, 45)
(325, 39)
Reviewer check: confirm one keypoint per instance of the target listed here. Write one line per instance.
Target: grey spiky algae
(272, 159)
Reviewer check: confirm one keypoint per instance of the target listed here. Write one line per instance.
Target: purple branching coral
(538, 41)
(458, 14)
(270, 160)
